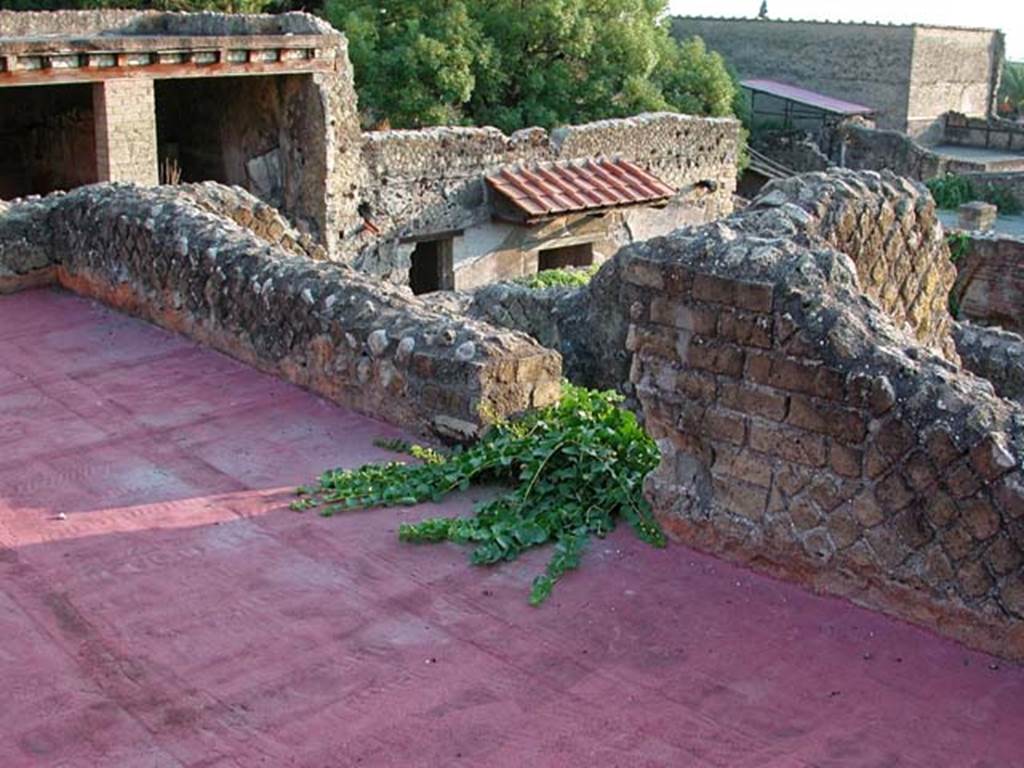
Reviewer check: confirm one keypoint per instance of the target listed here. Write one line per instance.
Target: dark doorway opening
(47, 139)
(226, 129)
(568, 256)
(431, 268)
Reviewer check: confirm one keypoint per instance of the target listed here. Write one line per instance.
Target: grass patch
(573, 470)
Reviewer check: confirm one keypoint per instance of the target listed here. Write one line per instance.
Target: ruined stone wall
(27, 259)
(61, 22)
(431, 181)
(993, 354)
(862, 148)
(248, 211)
(796, 150)
(128, 22)
(990, 280)
(891, 232)
(802, 431)
(324, 326)
(865, 63)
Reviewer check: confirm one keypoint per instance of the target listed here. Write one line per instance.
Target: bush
(952, 191)
(572, 277)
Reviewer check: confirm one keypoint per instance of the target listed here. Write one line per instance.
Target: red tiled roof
(548, 189)
(806, 97)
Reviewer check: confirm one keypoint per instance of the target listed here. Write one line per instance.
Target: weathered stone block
(844, 460)
(725, 426)
(743, 465)
(980, 518)
(757, 401)
(740, 497)
(977, 215)
(747, 329)
(711, 356)
(974, 580)
(893, 493)
(756, 297)
(844, 425)
(790, 444)
(961, 480)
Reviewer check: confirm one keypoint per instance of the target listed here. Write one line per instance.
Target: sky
(1007, 15)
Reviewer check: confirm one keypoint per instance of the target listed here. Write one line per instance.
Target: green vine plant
(570, 471)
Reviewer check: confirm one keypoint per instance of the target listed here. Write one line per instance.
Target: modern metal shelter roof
(806, 97)
(548, 189)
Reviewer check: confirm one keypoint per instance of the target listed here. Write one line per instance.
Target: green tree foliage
(516, 63)
(1011, 88)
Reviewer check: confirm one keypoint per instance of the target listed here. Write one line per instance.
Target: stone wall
(432, 181)
(909, 74)
(27, 259)
(127, 22)
(993, 354)
(990, 133)
(324, 326)
(990, 280)
(796, 150)
(805, 432)
(891, 232)
(862, 148)
(248, 211)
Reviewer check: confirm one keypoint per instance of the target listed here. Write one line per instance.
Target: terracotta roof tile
(548, 189)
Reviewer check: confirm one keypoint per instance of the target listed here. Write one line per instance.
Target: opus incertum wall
(159, 254)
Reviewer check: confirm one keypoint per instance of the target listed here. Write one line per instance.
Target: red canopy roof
(548, 189)
(808, 98)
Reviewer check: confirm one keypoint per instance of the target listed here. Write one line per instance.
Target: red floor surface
(182, 616)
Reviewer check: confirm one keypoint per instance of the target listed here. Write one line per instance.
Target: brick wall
(805, 432)
(990, 280)
(125, 119)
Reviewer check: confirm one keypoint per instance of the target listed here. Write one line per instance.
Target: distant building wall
(953, 70)
(865, 63)
(910, 74)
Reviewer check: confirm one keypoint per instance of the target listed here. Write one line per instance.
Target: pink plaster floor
(182, 616)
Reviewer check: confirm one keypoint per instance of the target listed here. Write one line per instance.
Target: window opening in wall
(581, 255)
(432, 268)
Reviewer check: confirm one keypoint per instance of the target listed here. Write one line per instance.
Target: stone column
(125, 114)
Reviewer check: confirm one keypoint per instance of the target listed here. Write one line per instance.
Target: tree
(1011, 89)
(516, 63)
(414, 60)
